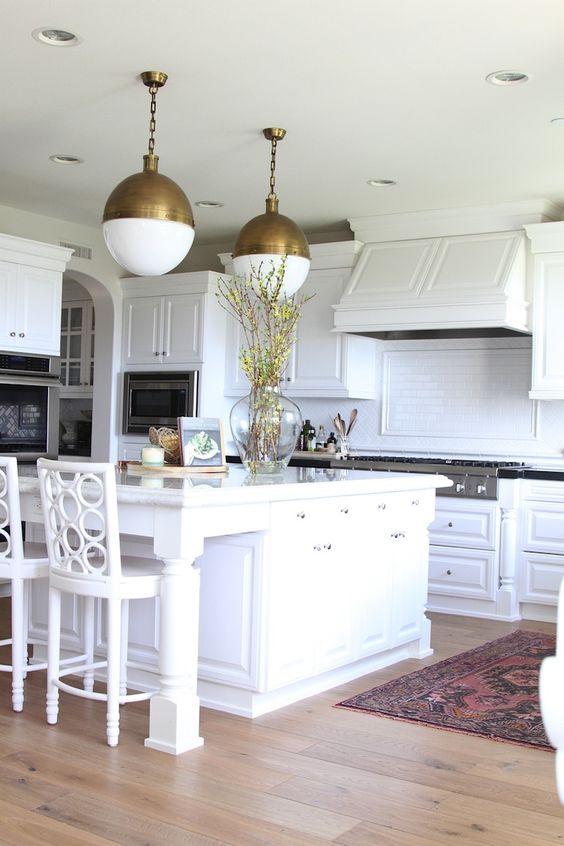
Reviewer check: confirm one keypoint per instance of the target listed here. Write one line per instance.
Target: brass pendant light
(148, 223)
(270, 237)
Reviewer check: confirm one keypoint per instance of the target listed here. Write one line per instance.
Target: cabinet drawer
(461, 572)
(476, 526)
(544, 527)
(541, 576)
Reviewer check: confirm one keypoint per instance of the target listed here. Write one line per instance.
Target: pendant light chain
(152, 122)
(272, 167)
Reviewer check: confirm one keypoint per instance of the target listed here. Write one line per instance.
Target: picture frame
(202, 444)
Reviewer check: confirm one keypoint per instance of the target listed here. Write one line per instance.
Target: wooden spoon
(352, 421)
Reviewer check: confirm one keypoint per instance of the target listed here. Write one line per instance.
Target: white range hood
(467, 284)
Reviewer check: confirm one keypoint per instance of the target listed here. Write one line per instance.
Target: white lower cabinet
(541, 565)
(348, 580)
(464, 557)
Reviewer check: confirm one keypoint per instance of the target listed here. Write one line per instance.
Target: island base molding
(251, 704)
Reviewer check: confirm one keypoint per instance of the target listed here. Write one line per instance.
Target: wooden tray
(135, 468)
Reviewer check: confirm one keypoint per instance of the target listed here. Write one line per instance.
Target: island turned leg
(175, 711)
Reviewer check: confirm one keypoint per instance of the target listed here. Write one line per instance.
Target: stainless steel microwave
(158, 399)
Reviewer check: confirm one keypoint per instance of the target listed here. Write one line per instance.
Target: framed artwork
(202, 447)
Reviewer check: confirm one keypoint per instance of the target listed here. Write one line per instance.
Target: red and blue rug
(490, 691)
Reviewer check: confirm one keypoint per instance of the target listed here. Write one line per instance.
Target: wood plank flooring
(306, 775)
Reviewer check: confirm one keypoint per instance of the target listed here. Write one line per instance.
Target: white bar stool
(19, 563)
(551, 693)
(82, 533)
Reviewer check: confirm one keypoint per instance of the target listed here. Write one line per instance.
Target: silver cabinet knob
(12, 334)
(157, 354)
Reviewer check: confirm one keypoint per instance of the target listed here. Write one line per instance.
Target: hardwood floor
(307, 774)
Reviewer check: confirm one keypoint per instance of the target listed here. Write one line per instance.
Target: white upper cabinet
(163, 330)
(323, 363)
(184, 328)
(31, 292)
(547, 244)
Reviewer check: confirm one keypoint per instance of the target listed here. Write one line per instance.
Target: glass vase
(265, 426)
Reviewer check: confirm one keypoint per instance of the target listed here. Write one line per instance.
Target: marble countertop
(237, 486)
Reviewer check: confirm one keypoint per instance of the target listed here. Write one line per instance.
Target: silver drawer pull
(344, 510)
(449, 572)
(326, 546)
(415, 502)
(382, 505)
(301, 514)
(397, 535)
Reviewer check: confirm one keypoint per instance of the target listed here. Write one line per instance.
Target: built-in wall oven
(29, 406)
(158, 399)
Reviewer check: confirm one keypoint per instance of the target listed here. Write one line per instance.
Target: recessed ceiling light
(63, 158)
(56, 37)
(507, 77)
(381, 183)
(209, 204)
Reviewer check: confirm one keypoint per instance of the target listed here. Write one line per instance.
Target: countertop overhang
(238, 487)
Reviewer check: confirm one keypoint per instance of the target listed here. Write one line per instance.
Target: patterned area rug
(490, 691)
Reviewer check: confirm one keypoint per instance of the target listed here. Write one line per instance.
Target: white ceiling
(365, 89)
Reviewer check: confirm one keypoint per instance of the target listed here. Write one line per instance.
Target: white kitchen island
(309, 579)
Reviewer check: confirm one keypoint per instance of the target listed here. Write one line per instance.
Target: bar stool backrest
(81, 520)
(11, 543)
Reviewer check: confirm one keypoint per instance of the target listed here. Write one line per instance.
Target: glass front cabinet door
(77, 349)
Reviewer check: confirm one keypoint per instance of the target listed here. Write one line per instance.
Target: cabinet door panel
(38, 312)
(229, 605)
(464, 524)
(8, 287)
(544, 527)
(183, 328)
(462, 572)
(548, 338)
(541, 577)
(142, 336)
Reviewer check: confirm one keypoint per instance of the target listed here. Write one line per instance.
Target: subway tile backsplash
(457, 396)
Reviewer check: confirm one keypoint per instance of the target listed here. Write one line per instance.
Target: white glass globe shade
(297, 269)
(147, 247)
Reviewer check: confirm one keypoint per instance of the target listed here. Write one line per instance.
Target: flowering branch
(268, 319)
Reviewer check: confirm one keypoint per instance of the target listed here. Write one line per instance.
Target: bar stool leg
(17, 644)
(53, 655)
(88, 638)
(114, 664)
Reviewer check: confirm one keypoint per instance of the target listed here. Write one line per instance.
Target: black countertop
(533, 472)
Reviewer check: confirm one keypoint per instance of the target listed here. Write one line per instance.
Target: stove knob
(480, 489)
(459, 487)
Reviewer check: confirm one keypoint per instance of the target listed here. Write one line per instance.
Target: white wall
(452, 397)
